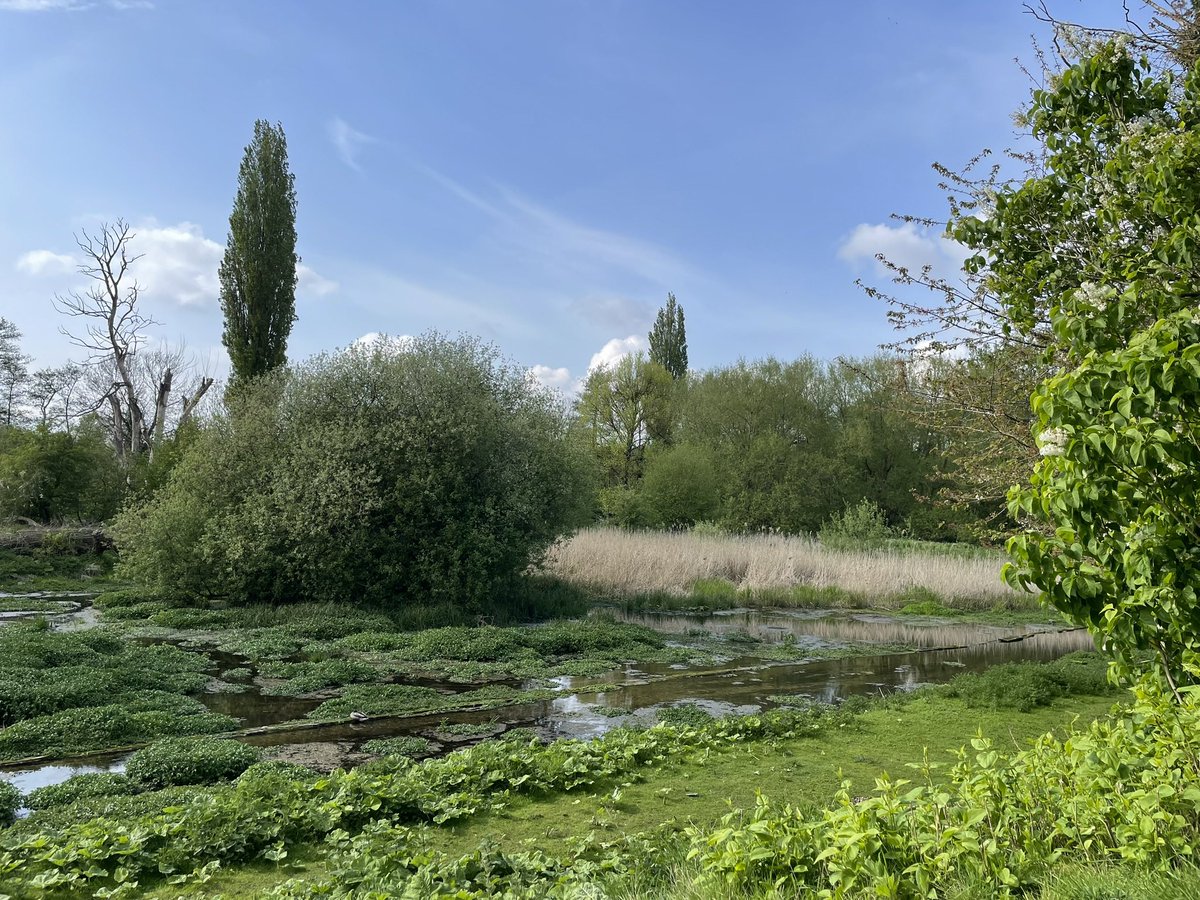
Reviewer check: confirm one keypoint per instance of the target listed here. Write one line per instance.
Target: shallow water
(737, 686)
(831, 626)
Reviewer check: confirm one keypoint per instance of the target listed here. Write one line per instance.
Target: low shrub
(79, 787)
(714, 592)
(116, 807)
(182, 761)
(861, 525)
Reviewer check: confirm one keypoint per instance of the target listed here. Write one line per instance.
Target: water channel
(587, 707)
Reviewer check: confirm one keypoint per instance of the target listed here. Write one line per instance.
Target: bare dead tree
(113, 332)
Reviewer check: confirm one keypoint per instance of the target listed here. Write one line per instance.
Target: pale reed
(637, 562)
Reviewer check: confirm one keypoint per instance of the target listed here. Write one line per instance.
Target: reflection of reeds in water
(640, 562)
(840, 628)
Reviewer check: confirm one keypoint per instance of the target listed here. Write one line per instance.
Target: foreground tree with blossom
(1107, 241)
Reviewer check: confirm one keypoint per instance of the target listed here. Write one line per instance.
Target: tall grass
(776, 569)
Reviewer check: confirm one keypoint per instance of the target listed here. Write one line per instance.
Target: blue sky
(538, 173)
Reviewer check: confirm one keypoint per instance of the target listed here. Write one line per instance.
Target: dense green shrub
(680, 487)
(307, 677)
(175, 762)
(383, 476)
(684, 714)
(118, 807)
(10, 802)
(80, 787)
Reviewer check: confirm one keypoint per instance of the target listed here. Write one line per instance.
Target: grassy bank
(618, 807)
(689, 570)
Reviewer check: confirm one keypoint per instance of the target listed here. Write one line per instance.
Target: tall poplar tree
(668, 340)
(258, 272)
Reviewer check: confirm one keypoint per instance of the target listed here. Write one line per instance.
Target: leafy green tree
(680, 487)
(770, 431)
(258, 271)
(56, 476)
(668, 339)
(431, 473)
(623, 408)
(1105, 241)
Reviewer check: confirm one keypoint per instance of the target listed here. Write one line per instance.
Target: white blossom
(1094, 295)
(1052, 442)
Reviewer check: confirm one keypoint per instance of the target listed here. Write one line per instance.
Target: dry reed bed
(641, 562)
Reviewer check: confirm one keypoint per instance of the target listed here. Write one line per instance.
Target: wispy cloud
(312, 284)
(560, 242)
(34, 6)
(347, 141)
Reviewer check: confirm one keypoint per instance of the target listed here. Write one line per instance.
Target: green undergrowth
(508, 790)
(47, 570)
(1023, 686)
(175, 762)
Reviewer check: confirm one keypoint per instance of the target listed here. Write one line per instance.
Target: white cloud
(44, 262)
(905, 245)
(560, 378)
(588, 249)
(178, 265)
(312, 284)
(347, 140)
(377, 340)
(557, 379)
(615, 350)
